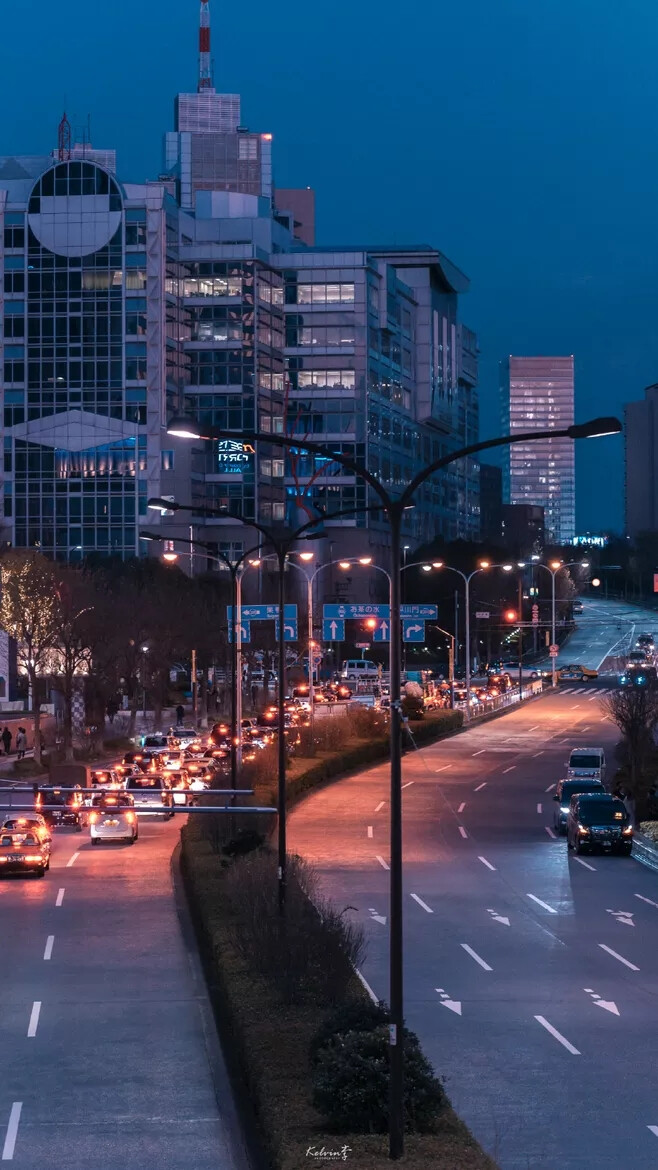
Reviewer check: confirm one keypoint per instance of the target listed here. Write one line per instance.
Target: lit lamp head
(556, 565)
(344, 564)
(306, 556)
(507, 568)
(595, 582)
(365, 560)
(485, 565)
(184, 427)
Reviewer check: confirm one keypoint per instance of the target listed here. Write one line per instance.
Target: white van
(587, 761)
(360, 668)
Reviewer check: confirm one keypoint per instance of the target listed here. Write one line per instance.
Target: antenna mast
(205, 68)
(64, 139)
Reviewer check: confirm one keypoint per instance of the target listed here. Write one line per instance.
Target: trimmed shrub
(356, 1015)
(351, 1084)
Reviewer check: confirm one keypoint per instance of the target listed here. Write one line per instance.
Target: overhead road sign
(413, 631)
(289, 630)
(381, 634)
(246, 632)
(263, 613)
(370, 609)
(333, 630)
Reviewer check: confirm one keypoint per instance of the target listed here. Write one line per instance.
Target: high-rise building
(641, 444)
(538, 394)
(124, 303)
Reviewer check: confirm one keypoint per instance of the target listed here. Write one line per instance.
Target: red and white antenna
(205, 68)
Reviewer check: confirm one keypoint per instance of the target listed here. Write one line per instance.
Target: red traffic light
(370, 623)
(510, 615)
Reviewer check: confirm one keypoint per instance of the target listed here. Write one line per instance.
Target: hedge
(268, 1045)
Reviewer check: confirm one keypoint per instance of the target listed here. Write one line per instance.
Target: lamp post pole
(554, 568)
(393, 507)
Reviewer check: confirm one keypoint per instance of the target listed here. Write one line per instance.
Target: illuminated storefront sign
(233, 457)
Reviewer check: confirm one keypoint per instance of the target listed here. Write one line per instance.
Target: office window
(167, 460)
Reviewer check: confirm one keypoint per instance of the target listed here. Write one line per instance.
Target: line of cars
(589, 815)
(640, 669)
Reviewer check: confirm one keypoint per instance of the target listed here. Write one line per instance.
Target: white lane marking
(533, 728)
(12, 1131)
(481, 786)
(575, 707)
(550, 832)
(585, 863)
(643, 899)
(380, 805)
(584, 728)
(365, 984)
(550, 788)
(621, 958)
(463, 832)
(407, 785)
(474, 955)
(538, 808)
(461, 807)
(545, 905)
(654, 1129)
(510, 769)
(370, 830)
(487, 863)
(72, 859)
(557, 1035)
(381, 861)
(537, 754)
(49, 946)
(481, 752)
(34, 1018)
(423, 904)
(443, 769)
(60, 896)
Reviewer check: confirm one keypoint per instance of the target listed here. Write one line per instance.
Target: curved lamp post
(554, 567)
(185, 427)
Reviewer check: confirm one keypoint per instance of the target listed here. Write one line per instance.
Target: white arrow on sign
(498, 917)
(453, 1004)
(333, 627)
(377, 917)
(414, 629)
(384, 628)
(290, 630)
(623, 916)
(608, 1005)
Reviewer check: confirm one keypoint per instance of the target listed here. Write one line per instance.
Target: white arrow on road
(377, 917)
(608, 1005)
(498, 917)
(625, 917)
(453, 1004)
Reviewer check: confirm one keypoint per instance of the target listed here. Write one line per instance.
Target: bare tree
(74, 640)
(28, 613)
(635, 711)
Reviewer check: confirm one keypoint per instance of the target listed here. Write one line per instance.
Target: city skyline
(533, 236)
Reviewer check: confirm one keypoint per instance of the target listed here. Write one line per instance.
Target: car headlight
(583, 829)
(628, 831)
(564, 808)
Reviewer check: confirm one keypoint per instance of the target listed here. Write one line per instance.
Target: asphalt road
(108, 1059)
(604, 628)
(531, 976)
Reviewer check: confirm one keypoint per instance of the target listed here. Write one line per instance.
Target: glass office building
(538, 394)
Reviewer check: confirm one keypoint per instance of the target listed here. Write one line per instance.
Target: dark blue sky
(519, 138)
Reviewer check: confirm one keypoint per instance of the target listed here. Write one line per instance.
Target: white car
(173, 761)
(106, 778)
(113, 818)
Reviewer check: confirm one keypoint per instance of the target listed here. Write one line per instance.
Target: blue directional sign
(367, 609)
(246, 631)
(413, 630)
(333, 630)
(381, 634)
(289, 630)
(263, 613)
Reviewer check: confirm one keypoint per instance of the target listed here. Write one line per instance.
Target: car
(576, 672)
(639, 676)
(598, 820)
(23, 853)
(182, 736)
(157, 742)
(586, 762)
(106, 778)
(562, 799)
(148, 790)
(29, 823)
(645, 642)
(59, 808)
(173, 761)
(639, 657)
(113, 818)
(577, 607)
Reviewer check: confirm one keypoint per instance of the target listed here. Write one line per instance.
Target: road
(604, 628)
(531, 976)
(107, 1055)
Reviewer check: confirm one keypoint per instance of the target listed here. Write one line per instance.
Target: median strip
(557, 1035)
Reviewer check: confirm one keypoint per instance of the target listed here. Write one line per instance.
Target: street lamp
(393, 506)
(554, 567)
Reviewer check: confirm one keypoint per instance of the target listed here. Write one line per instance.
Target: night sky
(519, 138)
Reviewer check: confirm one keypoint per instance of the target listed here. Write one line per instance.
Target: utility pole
(194, 688)
(521, 635)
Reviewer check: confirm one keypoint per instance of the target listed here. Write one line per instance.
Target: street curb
(233, 1114)
(645, 850)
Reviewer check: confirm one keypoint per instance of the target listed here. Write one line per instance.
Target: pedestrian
(21, 743)
(180, 715)
(6, 739)
(254, 694)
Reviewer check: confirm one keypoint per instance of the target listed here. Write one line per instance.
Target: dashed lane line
(461, 807)
(380, 805)
(12, 1131)
(463, 832)
(544, 905)
(478, 958)
(384, 864)
(49, 947)
(72, 860)
(487, 863)
(424, 905)
(550, 832)
(34, 1019)
(586, 864)
(557, 1035)
(60, 896)
(619, 957)
(480, 786)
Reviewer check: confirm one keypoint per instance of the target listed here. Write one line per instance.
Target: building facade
(124, 303)
(538, 394)
(641, 472)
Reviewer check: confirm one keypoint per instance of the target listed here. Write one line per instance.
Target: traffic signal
(510, 615)
(370, 624)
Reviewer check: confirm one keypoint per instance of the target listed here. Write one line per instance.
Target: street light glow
(437, 564)
(507, 568)
(556, 564)
(344, 565)
(596, 582)
(306, 556)
(427, 568)
(184, 427)
(485, 564)
(365, 560)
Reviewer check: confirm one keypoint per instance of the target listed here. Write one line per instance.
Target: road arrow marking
(498, 917)
(377, 917)
(608, 1005)
(623, 916)
(453, 1004)
(643, 899)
